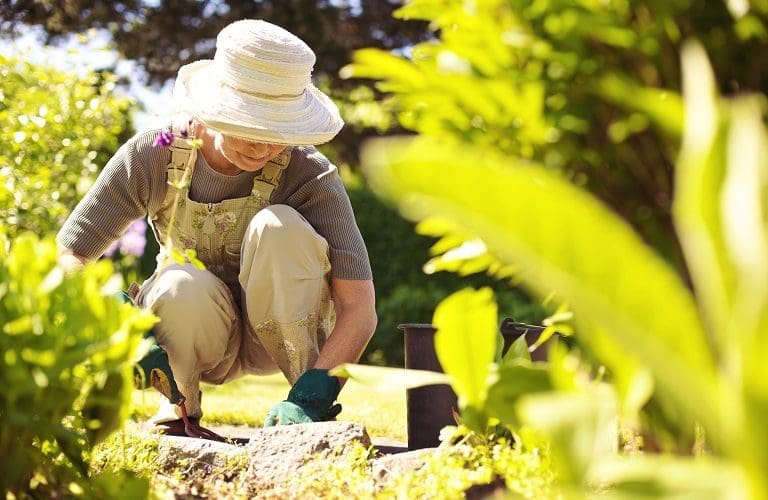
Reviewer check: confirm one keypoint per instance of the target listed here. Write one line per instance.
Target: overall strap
(269, 176)
(181, 152)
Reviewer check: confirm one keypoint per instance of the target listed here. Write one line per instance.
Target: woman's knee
(281, 244)
(277, 225)
(184, 287)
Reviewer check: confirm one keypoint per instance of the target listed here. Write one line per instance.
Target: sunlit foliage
(59, 129)
(68, 348)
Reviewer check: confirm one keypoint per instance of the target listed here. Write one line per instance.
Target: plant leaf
(515, 379)
(517, 351)
(581, 425)
(388, 378)
(465, 342)
(653, 476)
(698, 180)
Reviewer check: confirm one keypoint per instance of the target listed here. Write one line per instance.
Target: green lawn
(246, 401)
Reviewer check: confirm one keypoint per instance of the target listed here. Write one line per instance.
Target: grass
(247, 400)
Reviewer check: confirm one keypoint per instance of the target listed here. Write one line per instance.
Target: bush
(491, 470)
(694, 358)
(59, 128)
(68, 349)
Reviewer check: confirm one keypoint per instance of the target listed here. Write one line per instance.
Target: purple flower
(164, 139)
(185, 130)
(139, 226)
(132, 242)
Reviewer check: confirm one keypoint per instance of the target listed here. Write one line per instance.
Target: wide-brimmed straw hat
(258, 87)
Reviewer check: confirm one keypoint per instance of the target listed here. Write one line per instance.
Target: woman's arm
(355, 304)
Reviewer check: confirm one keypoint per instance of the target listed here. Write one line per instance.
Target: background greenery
(59, 131)
(72, 124)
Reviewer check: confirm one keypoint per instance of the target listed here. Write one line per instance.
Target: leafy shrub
(447, 473)
(68, 349)
(695, 356)
(58, 130)
(454, 470)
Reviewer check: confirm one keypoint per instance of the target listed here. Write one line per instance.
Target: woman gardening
(287, 284)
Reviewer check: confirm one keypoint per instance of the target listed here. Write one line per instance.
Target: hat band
(262, 95)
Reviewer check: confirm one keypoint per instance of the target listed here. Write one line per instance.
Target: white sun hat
(258, 87)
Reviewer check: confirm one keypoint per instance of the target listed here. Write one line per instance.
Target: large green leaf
(721, 210)
(515, 381)
(744, 208)
(562, 240)
(582, 427)
(465, 342)
(699, 178)
(745, 216)
(630, 478)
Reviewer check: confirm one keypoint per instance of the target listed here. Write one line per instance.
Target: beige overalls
(261, 304)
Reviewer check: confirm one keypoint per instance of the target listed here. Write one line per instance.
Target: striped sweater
(133, 185)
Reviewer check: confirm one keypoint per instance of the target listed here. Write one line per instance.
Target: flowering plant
(164, 139)
(127, 252)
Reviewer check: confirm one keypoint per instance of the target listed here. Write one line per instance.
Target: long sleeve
(131, 182)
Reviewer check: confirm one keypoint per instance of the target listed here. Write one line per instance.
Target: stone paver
(269, 456)
(278, 452)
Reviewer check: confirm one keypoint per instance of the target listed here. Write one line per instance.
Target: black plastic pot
(432, 407)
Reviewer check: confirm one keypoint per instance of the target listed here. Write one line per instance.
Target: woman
(236, 183)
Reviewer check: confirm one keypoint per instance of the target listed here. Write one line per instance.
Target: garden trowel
(154, 370)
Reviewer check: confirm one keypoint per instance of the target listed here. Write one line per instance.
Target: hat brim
(307, 119)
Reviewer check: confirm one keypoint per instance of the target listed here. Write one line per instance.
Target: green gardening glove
(310, 400)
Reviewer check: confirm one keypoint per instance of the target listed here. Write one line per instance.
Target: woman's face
(244, 154)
